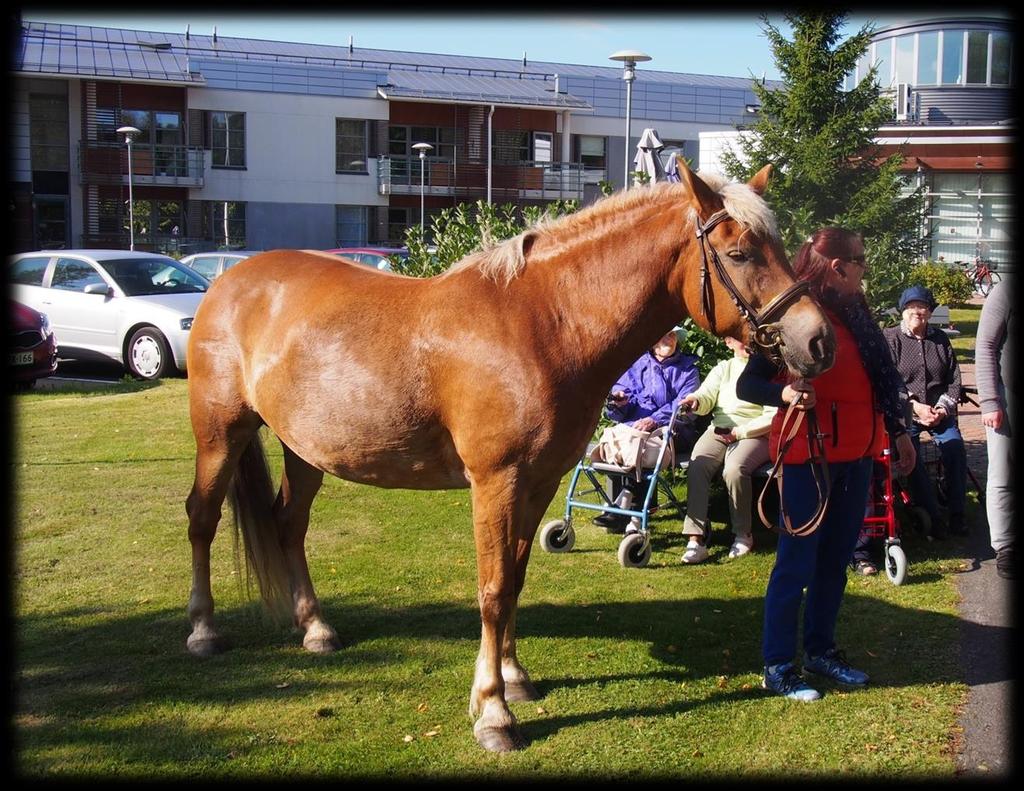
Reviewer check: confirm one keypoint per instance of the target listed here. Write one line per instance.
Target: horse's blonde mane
(502, 261)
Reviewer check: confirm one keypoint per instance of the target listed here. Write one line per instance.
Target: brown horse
(491, 375)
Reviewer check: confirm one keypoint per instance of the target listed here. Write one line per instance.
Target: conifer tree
(820, 138)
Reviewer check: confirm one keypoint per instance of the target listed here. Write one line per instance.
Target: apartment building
(261, 144)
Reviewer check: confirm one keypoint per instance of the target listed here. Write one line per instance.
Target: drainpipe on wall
(490, 120)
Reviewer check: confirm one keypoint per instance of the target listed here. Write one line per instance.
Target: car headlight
(186, 324)
(45, 328)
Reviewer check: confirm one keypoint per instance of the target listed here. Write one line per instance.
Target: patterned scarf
(889, 389)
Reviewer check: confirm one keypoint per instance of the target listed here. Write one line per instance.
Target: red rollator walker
(880, 516)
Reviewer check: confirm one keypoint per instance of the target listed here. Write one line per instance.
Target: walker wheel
(895, 564)
(557, 536)
(635, 551)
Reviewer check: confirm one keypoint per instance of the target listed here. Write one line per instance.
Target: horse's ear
(526, 242)
(701, 192)
(760, 180)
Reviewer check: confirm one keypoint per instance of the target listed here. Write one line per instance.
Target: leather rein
(768, 338)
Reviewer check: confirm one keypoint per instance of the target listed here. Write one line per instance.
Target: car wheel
(148, 356)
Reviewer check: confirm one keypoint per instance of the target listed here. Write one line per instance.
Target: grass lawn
(649, 672)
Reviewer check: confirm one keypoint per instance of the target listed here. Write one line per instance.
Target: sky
(730, 45)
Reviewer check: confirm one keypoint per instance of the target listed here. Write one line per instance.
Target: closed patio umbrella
(647, 159)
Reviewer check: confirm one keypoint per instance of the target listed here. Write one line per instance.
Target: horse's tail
(251, 495)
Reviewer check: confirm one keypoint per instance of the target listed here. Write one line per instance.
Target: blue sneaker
(833, 665)
(785, 680)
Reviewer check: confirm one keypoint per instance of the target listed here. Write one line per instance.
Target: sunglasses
(859, 260)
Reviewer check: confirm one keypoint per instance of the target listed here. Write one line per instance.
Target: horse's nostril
(822, 350)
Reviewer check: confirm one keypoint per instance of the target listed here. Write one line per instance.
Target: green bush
(949, 284)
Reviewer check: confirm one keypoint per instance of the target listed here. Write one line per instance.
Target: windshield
(142, 276)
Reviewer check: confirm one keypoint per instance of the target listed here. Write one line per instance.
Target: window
(1000, 59)
(206, 265)
(29, 271)
(927, 58)
(224, 224)
(977, 57)
(883, 59)
(904, 71)
(350, 146)
(72, 275)
(350, 222)
(589, 151)
(48, 131)
(51, 219)
(511, 146)
(952, 56)
(227, 139)
(398, 221)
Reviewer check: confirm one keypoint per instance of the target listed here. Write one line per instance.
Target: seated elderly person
(644, 397)
(928, 364)
(737, 443)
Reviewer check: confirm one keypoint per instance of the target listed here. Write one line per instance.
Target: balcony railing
(509, 181)
(174, 166)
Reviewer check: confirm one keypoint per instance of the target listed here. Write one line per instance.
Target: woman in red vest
(855, 402)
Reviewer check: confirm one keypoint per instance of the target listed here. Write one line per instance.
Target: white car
(212, 265)
(131, 307)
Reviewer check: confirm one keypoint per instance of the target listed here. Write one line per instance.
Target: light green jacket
(717, 395)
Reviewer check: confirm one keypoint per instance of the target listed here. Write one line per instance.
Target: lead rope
(819, 469)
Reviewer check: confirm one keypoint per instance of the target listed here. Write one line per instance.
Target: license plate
(22, 358)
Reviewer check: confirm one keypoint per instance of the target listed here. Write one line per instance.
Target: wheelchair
(635, 548)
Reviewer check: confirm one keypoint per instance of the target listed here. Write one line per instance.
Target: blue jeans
(817, 562)
(954, 461)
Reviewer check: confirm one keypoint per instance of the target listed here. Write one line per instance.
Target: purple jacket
(653, 388)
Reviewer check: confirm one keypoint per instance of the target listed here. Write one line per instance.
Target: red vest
(845, 409)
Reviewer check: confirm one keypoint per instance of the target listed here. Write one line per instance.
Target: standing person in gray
(994, 375)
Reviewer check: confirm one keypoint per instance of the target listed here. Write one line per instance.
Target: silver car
(135, 308)
(212, 265)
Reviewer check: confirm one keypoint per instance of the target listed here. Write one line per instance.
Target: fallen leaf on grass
(283, 685)
(722, 681)
(541, 710)
(433, 732)
(870, 653)
(422, 707)
(408, 738)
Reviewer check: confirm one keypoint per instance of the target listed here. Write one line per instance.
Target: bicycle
(981, 275)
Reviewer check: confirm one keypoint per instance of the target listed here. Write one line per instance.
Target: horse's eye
(737, 255)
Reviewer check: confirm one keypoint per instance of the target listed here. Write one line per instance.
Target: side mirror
(99, 288)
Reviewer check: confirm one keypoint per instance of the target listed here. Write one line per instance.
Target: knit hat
(919, 294)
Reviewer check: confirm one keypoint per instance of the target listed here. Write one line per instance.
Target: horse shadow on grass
(78, 664)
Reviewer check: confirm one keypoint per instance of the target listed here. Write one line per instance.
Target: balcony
(165, 166)
(509, 181)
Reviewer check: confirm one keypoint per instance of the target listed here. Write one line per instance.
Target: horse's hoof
(321, 644)
(206, 646)
(521, 690)
(499, 739)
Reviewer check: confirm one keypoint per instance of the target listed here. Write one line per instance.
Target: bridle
(768, 338)
(765, 334)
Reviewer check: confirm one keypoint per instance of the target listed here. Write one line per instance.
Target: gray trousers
(999, 486)
(737, 460)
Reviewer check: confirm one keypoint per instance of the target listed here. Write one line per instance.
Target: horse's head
(737, 280)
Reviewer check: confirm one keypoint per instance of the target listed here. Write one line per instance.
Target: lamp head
(129, 132)
(423, 148)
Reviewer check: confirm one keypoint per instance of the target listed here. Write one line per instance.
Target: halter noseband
(766, 333)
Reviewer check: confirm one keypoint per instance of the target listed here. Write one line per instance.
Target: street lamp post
(423, 148)
(129, 133)
(629, 58)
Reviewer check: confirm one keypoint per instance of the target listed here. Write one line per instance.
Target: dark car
(33, 353)
(376, 257)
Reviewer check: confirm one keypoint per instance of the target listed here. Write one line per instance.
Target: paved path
(986, 630)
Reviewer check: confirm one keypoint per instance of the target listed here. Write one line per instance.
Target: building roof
(256, 64)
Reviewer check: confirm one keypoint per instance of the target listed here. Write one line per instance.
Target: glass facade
(969, 215)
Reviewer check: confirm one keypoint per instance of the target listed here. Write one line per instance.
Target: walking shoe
(833, 665)
(613, 523)
(695, 552)
(741, 546)
(633, 526)
(786, 681)
(1004, 563)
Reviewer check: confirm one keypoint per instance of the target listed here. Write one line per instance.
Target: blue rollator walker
(635, 547)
